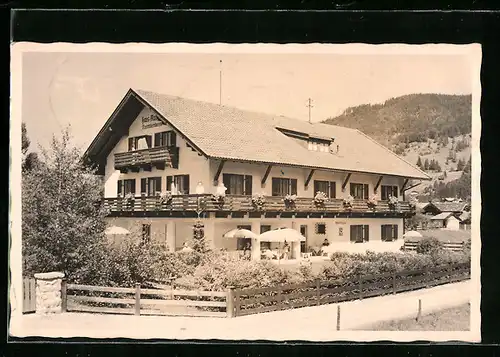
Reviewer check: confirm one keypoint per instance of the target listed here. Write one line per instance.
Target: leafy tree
(460, 165)
(62, 214)
(30, 159)
(467, 167)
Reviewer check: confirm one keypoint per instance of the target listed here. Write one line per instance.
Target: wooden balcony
(159, 157)
(190, 205)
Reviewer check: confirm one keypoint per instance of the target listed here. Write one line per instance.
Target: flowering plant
(413, 203)
(348, 201)
(290, 199)
(258, 200)
(320, 198)
(165, 197)
(393, 201)
(372, 202)
(218, 197)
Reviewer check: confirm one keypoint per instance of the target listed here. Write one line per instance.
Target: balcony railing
(159, 157)
(234, 203)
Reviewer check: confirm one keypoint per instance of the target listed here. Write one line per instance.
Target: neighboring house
(434, 208)
(154, 143)
(465, 220)
(445, 220)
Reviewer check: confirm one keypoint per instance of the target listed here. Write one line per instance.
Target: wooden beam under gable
(403, 187)
(266, 174)
(378, 184)
(348, 176)
(309, 177)
(219, 170)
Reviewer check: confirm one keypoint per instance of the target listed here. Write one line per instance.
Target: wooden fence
(139, 301)
(453, 246)
(253, 301)
(29, 295)
(240, 302)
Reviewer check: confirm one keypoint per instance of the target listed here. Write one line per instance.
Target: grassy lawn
(455, 319)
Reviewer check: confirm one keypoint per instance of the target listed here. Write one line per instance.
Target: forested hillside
(432, 131)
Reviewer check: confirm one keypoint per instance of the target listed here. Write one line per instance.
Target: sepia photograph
(245, 192)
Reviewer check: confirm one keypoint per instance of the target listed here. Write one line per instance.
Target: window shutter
(293, 186)
(158, 184)
(172, 138)
(144, 186)
(333, 189)
(226, 180)
(395, 236)
(365, 191)
(366, 233)
(132, 183)
(169, 182)
(353, 234)
(120, 183)
(248, 185)
(130, 144)
(186, 184)
(395, 191)
(157, 139)
(275, 187)
(148, 140)
(353, 189)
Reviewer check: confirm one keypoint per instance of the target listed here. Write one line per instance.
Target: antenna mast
(309, 105)
(220, 83)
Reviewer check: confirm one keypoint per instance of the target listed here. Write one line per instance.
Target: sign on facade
(151, 121)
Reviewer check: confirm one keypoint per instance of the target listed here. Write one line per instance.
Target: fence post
(360, 283)
(394, 283)
(279, 299)
(230, 301)
(171, 283)
(137, 299)
(318, 295)
(338, 317)
(419, 314)
(64, 296)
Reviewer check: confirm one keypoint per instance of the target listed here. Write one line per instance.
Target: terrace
(234, 204)
(159, 157)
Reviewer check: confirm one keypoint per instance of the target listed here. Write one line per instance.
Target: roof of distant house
(449, 206)
(443, 215)
(227, 133)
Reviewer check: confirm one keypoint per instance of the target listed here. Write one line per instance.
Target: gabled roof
(449, 206)
(465, 216)
(443, 215)
(228, 133)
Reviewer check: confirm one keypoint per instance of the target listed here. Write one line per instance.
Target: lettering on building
(151, 121)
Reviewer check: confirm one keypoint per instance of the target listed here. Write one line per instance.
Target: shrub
(428, 245)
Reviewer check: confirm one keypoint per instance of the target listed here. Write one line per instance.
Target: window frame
(317, 230)
(393, 232)
(133, 140)
(172, 179)
(385, 190)
(365, 187)
(246, 182)
(330, 185)
(121, 185)
(365, 233)
(146, 183)
(292, 186)
(167, 138)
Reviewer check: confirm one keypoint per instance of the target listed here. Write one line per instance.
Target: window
(303, 244)
(166, 138)
(126, 186)
(265, 228)
(327, 187)
(359, 190)
(284, 186)
(237, 184)
(150, 185)
(146, 233)
(359, 233)
(241, 242)
(389, 232)
(389, 190)
(320, 228)
(180, 182)
(320, 146)
(139, 143)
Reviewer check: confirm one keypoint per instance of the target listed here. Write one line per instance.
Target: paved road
(311, 323)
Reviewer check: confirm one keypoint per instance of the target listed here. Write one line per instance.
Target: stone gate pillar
(48, 292)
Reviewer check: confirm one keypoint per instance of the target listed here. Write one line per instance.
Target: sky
(83, 89)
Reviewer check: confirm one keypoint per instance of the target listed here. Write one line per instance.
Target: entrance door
(303, 245)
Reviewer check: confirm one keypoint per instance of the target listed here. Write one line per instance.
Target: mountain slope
(410, 118)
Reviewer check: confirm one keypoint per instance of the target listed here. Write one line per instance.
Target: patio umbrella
(241, 233)
(282, 235)
(412, 234)
(115, 230)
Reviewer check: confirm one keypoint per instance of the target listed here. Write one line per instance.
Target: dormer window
(316, 145)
